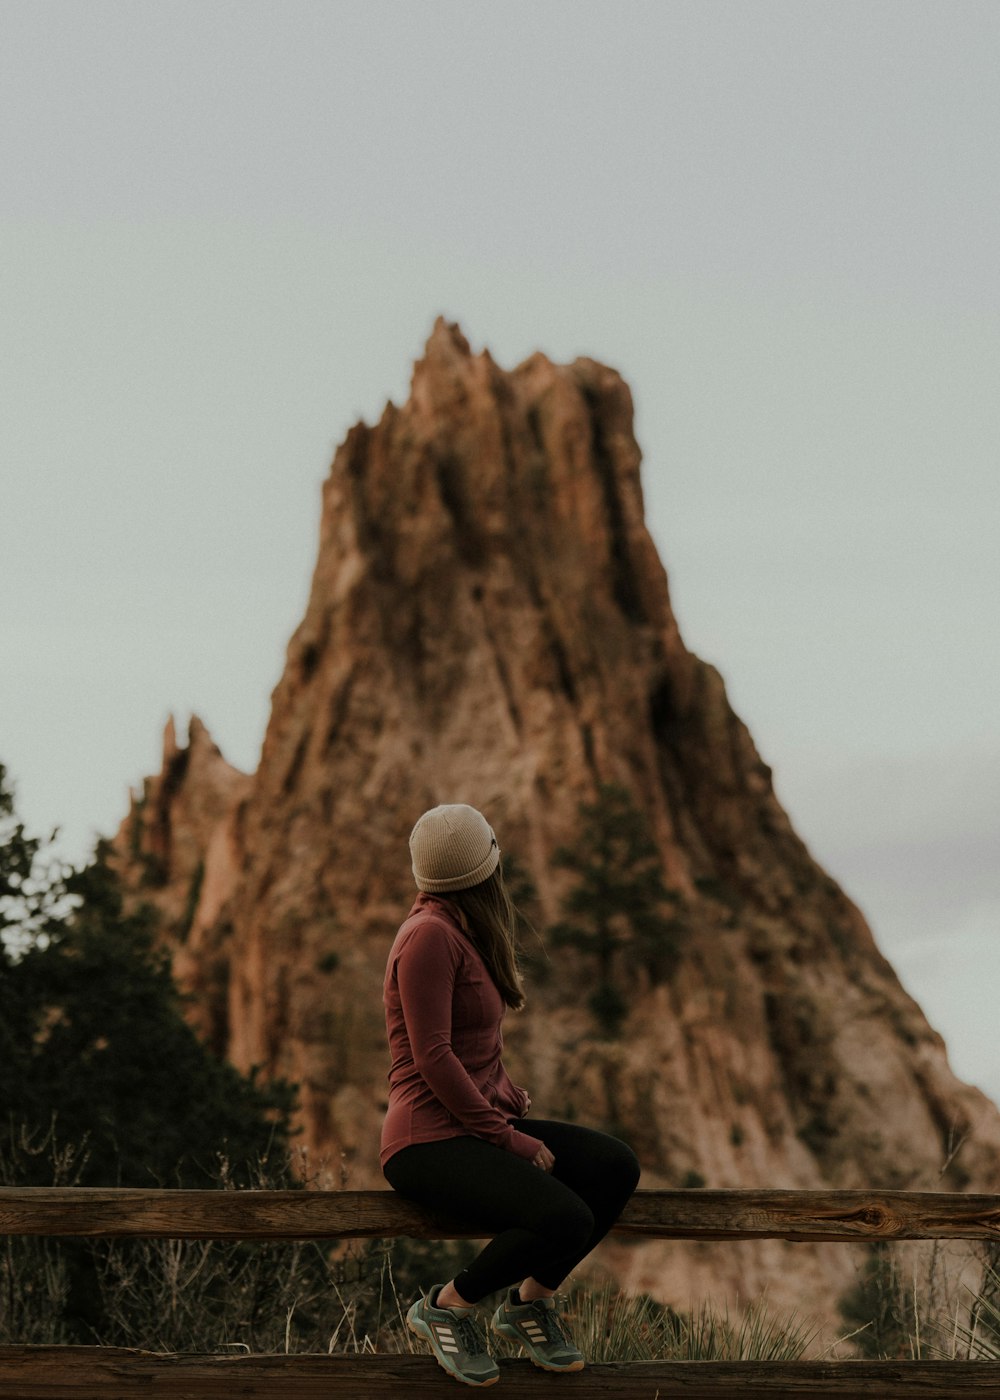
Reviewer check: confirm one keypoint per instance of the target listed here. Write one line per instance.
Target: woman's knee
(570, 1225)
(619, 1169)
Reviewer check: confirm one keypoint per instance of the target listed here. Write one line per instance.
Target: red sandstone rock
(489, 623)
(178, 850)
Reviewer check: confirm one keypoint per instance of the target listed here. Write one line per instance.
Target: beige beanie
(452, 848)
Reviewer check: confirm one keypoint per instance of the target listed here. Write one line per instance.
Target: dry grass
(293, 1296)
(612, 1326)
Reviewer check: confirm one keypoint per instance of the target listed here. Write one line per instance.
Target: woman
(455, 1137)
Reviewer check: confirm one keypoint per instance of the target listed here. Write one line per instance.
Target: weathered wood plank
(812, 1215)
(693, 1214)
(71, 1373)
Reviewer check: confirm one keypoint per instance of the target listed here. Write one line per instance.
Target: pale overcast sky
(227, 229)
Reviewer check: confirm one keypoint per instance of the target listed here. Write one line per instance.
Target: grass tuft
(612, 1326)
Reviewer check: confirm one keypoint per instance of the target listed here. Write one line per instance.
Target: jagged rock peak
(445, 344)
(489, 622)
(164, 846)
(170, 746)
(199, 743)
(538, 463)
(443, 376)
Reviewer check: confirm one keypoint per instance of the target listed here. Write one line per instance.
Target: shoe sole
(418, 1331)
(512, 1334)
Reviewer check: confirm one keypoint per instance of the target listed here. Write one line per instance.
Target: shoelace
(552, 1324)
(470, 1335)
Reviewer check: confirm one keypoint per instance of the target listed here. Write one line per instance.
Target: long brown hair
(487, 917)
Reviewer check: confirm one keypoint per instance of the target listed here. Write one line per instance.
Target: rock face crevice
(489, 622)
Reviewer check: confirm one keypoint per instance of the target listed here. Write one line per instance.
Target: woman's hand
(543, 1158)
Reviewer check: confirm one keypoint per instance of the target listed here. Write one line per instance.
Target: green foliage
(97, 1055)
(619, 904)
(93, 1037)
(30, 885)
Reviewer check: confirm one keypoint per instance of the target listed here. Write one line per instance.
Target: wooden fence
(70, 1373)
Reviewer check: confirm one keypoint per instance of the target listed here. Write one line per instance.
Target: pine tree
(93, 1036)
(31, 884)
(619, 904)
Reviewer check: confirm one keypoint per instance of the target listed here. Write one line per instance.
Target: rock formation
(178, 850)
(489, 623)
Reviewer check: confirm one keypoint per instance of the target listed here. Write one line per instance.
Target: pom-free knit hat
(452, 847)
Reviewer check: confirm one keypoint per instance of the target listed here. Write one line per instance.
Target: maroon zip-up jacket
(443, 1015)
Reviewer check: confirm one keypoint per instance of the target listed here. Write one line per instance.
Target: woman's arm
(425, 973)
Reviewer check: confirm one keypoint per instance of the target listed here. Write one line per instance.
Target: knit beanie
(452, 848)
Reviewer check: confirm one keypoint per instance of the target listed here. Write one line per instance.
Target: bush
(93, 1035)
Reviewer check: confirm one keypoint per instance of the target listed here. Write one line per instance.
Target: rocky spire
(489, 622)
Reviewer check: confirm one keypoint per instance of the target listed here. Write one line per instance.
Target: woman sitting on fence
(455, 1137)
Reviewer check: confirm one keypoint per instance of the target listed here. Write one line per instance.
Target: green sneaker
(540, 1330)
(455, 1338)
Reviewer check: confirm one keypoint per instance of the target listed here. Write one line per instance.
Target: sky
(226, 230)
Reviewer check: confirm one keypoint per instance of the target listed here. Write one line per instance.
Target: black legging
(546, 1221)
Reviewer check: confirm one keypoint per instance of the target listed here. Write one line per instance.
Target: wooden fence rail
(671, 1215)
(70, 1373)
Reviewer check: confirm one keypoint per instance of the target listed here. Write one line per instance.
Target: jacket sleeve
(425, 971)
